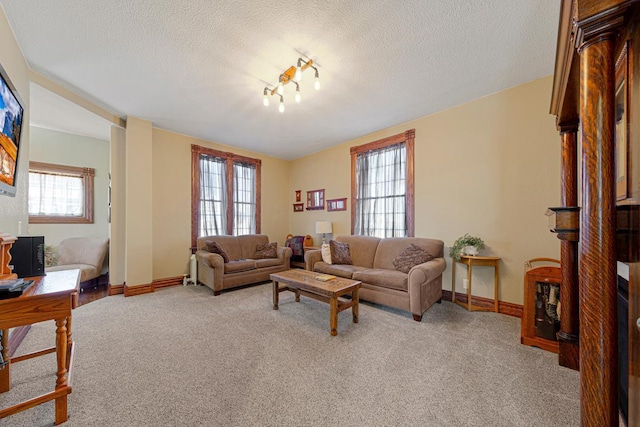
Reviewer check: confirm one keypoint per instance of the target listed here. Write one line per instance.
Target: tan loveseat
(242, 267)
(84, 253)
(372, 264)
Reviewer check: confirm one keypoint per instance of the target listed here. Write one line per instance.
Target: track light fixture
(292, 74)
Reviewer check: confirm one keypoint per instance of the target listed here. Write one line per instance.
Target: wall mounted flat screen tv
(10, 128)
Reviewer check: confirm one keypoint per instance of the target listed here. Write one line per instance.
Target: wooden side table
(470, 261)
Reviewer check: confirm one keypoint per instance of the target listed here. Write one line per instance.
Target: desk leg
(4, 373)
(469, 288)
(275, 295)
(61, 380)
(453, 281)
(496, 282)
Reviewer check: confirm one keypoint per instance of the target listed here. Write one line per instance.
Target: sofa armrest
(209, 259)
(210, 270)
(311, 257)
(425, 285)
(427, 271)
(284, 254)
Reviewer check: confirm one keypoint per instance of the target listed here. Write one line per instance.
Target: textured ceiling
(198, 67)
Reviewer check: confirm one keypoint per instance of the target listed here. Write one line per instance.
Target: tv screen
(10, 127)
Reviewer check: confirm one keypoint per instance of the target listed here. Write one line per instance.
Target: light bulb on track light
(297, 98)
(298, 75)
(281, 106)
(280, 89)
(265, 101)
(316, 85)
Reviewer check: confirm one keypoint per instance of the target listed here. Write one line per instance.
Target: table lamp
(323, 227)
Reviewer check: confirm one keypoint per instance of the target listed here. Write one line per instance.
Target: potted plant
(466, 244)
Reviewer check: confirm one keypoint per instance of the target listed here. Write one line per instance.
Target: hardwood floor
(93, 290)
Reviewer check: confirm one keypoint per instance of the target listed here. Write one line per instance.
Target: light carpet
(182, 357)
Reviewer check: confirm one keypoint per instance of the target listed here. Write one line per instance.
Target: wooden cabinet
(540, 317)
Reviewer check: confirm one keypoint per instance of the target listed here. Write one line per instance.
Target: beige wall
(172, 199)
(489, 168)
(14, 209)
(61, 148)
(138, 198)
(117, 227)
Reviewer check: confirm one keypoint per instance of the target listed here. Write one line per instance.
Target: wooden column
(568, 348)
(598, 331)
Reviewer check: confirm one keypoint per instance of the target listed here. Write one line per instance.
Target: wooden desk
(49, 298)
(470, 261)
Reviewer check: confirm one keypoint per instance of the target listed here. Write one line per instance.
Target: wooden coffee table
(304, 282)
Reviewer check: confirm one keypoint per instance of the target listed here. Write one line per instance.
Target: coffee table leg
(275, 295)
(333, 316)
(355, 306)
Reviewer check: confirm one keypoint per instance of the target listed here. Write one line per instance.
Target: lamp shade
(323, 227)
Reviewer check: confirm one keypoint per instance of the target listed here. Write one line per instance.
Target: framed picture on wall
(337, 204)
(298, 207)
(298, 196)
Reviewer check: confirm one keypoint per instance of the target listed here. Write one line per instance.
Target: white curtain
(381, 192)
(58, 195)
(213, 196)
(244, 199)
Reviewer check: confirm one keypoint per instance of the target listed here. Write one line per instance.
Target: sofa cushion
(362, 249)
(391, 279)
(391, 247)
(410, 257)
(215, 248)
(341, 270)
(235, 266)
(340, 253)
(229, 244)
(266, 250)
(248, 243)
(268, 262)
(326, 253)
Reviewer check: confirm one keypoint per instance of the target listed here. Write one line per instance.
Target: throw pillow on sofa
(410, 257)
(326, 253)
(266, 250)
(215, 248)
(340, 253)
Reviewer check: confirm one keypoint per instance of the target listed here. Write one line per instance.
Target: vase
(470, 250)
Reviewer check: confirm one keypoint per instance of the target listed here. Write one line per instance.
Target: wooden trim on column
(195, 193)
(508, 308)
(568, 344)
(115, 289)
(258, 197)
(229, 212)
(354, 190)
(598, 274)
(130, 291)
(166, 282)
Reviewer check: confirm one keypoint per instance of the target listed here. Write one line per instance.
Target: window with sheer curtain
(225, 194)
(60, 194)
(382, 189)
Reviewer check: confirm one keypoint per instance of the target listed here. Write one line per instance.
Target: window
(225, 193)
(382, 187)
(60, 194)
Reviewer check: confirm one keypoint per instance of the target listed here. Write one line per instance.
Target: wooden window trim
(230, 159)
(407, 137)
(87, 175)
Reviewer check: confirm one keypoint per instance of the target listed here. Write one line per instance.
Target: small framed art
(337, 204)
(298, 207)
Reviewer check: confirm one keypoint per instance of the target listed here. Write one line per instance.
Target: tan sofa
(372, 259)
(242, 268)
